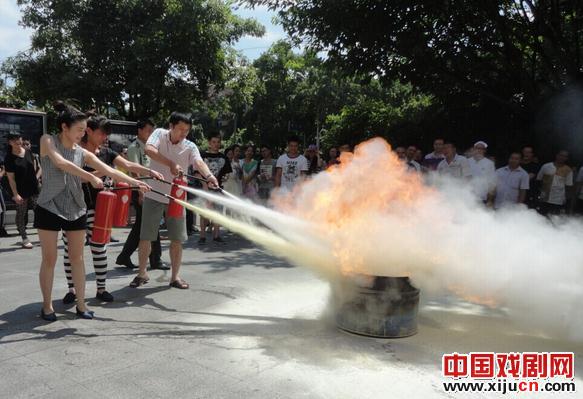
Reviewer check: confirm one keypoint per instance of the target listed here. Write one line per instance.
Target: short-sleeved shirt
(509, 182)
(107, 156)
(291, 170)
(531, 167)
(137, 153)
(554, 180)
(432, 160)
(459, 167)
(184, 153)
(266, 174)
(218, 164)
(24, 173)
(413, 166)
(483, 176)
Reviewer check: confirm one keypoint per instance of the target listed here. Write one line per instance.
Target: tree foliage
(510, 51)
(139, 57)
(494, 65)
(297, 93)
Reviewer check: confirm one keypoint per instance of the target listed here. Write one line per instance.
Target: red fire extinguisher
(104, 212)
(122, 208)
(175, 210)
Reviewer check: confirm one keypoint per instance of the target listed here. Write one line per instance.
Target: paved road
(251, 326)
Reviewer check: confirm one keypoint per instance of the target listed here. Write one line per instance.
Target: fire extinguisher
(122, 208)
(104, 212)
(175, 210)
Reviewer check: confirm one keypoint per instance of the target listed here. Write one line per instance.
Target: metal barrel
(377, 306)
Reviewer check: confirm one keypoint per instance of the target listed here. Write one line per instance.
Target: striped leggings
(99, 252)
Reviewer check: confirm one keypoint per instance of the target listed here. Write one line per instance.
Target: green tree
(491, 63)
(510, 50)
(141, 57)
(397, 113)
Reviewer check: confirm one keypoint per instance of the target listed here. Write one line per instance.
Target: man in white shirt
(483, 171)
(454, 165)
(292, 167)
(512, 183)
(401, 153)
(170, 154)
(432, 160)
(412, 164)
(556, 178)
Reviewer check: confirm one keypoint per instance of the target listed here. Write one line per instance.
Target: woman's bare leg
(76, 240)
(48, 242)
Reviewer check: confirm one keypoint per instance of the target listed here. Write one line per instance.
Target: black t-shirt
(531, 167)
(24, 173)
(107, 156)
(218, 164)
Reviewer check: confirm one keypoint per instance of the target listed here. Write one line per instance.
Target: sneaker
(69, 298)
(113, 239)
(26, 244)
(201, 241)
(104, 296)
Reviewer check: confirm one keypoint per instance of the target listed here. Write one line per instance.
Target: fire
(462, 292)
(344, 201)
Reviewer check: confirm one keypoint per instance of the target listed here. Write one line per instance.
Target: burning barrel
(377, 306)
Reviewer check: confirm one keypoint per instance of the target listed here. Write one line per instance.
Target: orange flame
(372, 181)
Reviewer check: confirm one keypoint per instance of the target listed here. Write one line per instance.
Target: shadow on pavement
(226, 262)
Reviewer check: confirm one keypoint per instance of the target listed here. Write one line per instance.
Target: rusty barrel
(377, 306)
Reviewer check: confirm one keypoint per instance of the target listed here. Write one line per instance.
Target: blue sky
(14, 38)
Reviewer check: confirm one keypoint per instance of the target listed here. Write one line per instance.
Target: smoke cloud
(371, 216)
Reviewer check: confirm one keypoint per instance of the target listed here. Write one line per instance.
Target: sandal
(180, 284)
(139, 281)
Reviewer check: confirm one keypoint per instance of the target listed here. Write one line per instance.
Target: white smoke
(371, 216)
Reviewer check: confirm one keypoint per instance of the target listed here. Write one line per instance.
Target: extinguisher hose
(219, 189)
(172, 184)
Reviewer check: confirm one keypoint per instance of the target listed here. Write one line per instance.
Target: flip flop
(180, 284)
(139, 281)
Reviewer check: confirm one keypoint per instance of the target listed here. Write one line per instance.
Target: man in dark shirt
(21, 171)
(3, 232)
(220, 166)
(531, 165)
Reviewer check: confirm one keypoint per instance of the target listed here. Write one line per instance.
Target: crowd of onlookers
(550, 188)
(252, 172)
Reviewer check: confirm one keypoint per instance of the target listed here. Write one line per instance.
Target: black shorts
(46, 220)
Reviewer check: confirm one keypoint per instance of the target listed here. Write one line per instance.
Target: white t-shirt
(291, 170)
(459, 167)
(483, 176)
(413, 166)
(553, 187)
(508, 185)
(184, 153)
